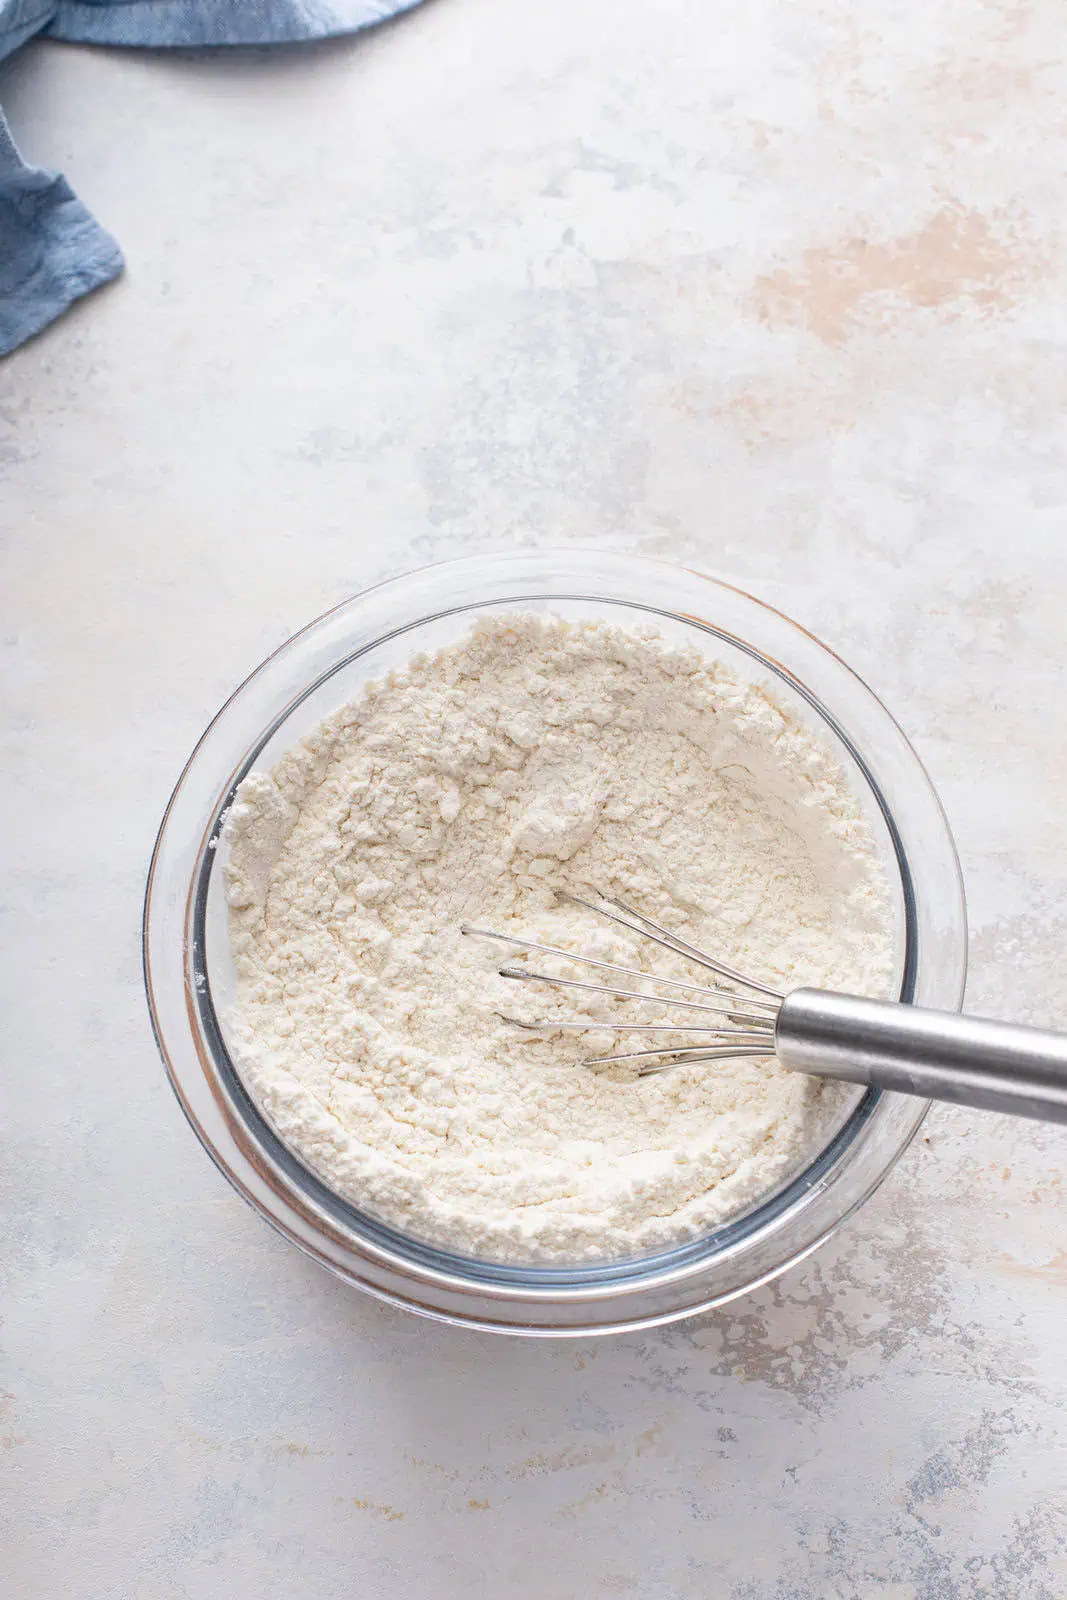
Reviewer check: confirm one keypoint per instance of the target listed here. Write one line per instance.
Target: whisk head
(747, 1010)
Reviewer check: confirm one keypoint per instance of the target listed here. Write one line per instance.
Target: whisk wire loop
(747, 1029)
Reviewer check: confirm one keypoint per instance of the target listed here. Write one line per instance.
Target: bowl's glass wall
(190, 976)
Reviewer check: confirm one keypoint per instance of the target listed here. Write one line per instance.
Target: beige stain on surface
(990, 83)
(572, 1457)
(438, 1469)
(568, 1459)
(784, 413)
(1017, 19)
(575, 1508)
(377, 1507)
(959, 258)
(1052, 1271)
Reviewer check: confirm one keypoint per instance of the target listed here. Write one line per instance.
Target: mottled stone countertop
(777, 289)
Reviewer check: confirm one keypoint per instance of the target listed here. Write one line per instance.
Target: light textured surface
(775, 289)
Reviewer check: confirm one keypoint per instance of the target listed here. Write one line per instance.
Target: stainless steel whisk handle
(995, 1066)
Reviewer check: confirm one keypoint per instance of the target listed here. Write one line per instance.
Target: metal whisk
(938, 1055)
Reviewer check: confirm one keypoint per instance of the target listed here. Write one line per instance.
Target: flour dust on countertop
(531, 755)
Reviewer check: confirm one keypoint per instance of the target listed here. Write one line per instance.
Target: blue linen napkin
(52, 250)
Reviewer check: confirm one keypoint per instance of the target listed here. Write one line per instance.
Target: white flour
(537, 754)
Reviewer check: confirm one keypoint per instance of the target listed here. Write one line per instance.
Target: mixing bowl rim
(582, 1285)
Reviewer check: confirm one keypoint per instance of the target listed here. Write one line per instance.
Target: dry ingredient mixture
(531, 755)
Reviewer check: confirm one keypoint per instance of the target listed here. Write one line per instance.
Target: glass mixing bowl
(190, 981)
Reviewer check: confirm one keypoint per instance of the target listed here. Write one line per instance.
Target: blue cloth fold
(52, 250)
